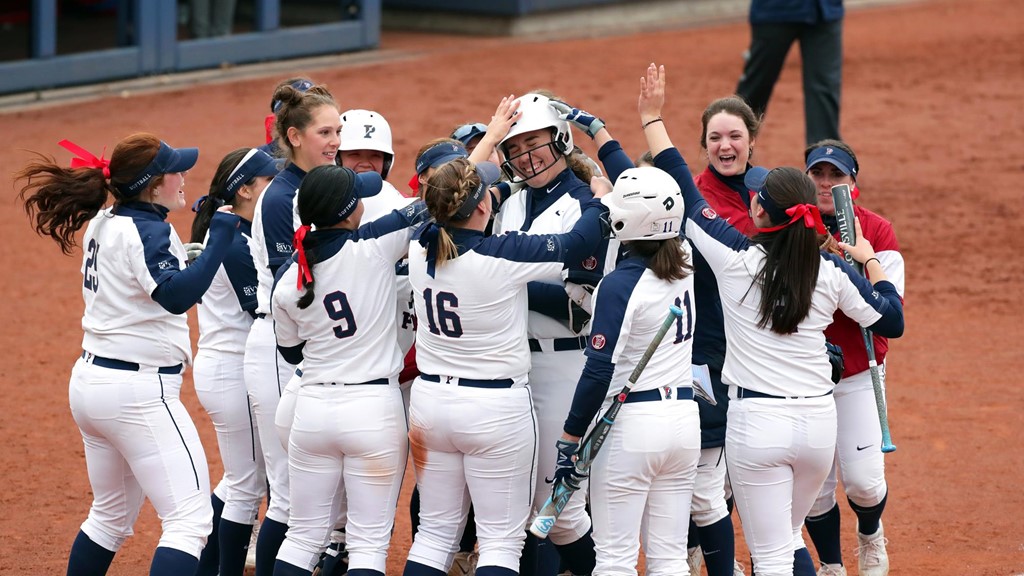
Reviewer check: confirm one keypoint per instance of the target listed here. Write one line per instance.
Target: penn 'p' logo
(370, 129)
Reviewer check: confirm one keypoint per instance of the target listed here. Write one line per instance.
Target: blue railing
(147, 38)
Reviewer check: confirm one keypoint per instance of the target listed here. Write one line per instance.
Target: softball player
(307, 124)
(139, 440)
(349, 428)
(225, 314)
(779, 293)
(645, 474)
(471, 418)
(537, 150)
(858, 452)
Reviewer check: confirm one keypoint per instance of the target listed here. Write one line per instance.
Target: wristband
(866, 262)
(649, 122)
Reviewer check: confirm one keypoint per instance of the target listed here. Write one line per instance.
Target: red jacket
(845, 332)
(726, 201)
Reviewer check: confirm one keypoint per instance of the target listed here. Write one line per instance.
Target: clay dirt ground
(931, 102)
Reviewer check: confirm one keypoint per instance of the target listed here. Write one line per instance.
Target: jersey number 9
(337, 307)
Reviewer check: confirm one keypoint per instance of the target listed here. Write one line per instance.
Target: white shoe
(872, 559)
(695, 558)
(464, 564)
(250, 557)
(832, 570)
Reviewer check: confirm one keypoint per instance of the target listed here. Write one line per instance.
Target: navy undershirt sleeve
(180, 291)
(292, 354)
(549, 299)
(614, 159)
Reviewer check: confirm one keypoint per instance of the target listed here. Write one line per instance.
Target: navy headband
(168, 161)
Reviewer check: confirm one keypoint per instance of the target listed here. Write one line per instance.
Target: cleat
(872, 559)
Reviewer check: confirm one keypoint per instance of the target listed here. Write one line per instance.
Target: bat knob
(887, 448)
(676, 311)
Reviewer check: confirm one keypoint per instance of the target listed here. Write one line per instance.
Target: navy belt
(742, 392)
(122, 365)
(681, 393)
(561, 344)
(503, 383)
(377, 382)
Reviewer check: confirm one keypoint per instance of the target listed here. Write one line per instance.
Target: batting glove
(192, 251)
(581, 119)
(565, 465)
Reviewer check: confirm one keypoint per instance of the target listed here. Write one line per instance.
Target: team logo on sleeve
(597, 341)
(590, 263)
(166, 265)
(709, 213)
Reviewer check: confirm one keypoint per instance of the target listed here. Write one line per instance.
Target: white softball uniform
(556, 351)
(266, 371)
(124, 392)
(642, 479)
(225, 314)
(349, 426)
(471, 417)
(782, 419)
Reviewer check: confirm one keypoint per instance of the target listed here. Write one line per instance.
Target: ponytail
(666, 258)
(61, 200)
(206, 206)
(444, 193)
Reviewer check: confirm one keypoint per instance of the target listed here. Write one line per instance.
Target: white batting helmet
(535, 114)
(367, 130)
(645, 204)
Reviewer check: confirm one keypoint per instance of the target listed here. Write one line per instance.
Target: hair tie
(429, 235)
(810, 215)
(305, 273)
(85, 159)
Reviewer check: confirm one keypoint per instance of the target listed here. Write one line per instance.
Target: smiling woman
(308, 125)
(140, 441)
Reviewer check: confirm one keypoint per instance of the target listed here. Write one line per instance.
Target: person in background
(818, 26)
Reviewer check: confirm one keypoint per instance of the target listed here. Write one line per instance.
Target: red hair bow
(809, 213)
(305, 274)
(86, 159)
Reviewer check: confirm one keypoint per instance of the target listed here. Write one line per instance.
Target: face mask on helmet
(367, 130)
(535, 113)
(645, 204)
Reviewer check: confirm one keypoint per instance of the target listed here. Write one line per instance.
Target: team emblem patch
(598, 341)
(709, 213)
(590, 263)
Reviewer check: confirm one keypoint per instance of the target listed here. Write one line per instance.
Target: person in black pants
(818, 25)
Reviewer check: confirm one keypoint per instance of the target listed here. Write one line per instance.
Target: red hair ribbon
(86, 159)
(268, 125)
(807, 212)
(305, 273)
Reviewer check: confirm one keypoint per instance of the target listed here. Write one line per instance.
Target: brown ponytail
(665, 257)
(62, 200)
(444, 193)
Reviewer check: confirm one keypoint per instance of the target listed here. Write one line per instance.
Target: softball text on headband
(168, 161)
(756, 180)
(349, 189)
(255, 163)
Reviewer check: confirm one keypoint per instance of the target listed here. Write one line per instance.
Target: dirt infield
(932, 104)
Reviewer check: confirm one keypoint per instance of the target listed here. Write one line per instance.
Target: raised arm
(504, 116)
(652, 100)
